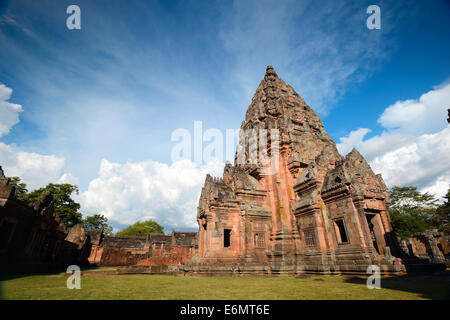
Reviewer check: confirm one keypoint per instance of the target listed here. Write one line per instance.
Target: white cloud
(354, 139)
(68, 178)
(421, 162)
(126, 193)
(9, 111)
(428, 114)
(414, 148)
(36, 170)
(440, 186)
(375, 146)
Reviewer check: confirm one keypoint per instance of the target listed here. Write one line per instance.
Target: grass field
(102, 284)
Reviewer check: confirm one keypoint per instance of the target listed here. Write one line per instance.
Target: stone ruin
(314, 211)
(425, 249)
(153, 250)
(319, 212)
(33, 238)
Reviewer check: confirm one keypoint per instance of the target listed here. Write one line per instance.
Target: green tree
(409, 197)
(407, 223)
(441, 217)
(65, 207)
(21, 188)
(411, 210)
(97, 222)
(141, 229)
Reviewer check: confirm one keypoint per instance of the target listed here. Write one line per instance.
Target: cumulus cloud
(136, 191)
(68, 178)
(36, 170)
(414, 148)
(9, 111)
(354, 139)
(424, 115)
(422, 162)
(125, 193)
(376, 145)
(440, 186)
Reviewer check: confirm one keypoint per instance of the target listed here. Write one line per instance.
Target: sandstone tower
(317, 212)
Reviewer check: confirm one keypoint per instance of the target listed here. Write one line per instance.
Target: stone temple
(318, 212)
(306, 210)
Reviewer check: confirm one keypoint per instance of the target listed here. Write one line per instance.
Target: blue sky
(98, 105)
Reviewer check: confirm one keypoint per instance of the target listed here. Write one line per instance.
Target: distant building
(155, 249)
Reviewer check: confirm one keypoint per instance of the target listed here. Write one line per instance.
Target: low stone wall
(428, 246)
(148, 270)
(153, 250)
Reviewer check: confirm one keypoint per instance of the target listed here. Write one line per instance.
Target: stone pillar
(364, 225)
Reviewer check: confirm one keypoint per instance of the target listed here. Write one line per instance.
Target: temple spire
(270, 73)
(3, 180)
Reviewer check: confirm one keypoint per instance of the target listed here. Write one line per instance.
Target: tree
(411, 210)
(97, 222)
(141, 229)
(65, 207)
(407, 223)
(21, 188)
(409, 197)
(441, 217)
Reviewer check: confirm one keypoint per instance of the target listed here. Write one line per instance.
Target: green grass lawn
(96, 285)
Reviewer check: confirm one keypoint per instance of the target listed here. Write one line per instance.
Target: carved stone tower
(308, 209)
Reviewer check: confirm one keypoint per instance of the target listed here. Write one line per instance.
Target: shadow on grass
(430, 286)
(36, 271)
(10, 276)
(14, 274)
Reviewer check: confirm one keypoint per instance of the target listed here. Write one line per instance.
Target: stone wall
(153, 250)
(431, 246)
(32, 238)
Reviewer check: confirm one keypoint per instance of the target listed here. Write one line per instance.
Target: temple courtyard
(103, 283)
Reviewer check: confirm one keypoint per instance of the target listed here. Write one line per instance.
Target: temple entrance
(226, 238)
(341, 233)
(371, 221)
